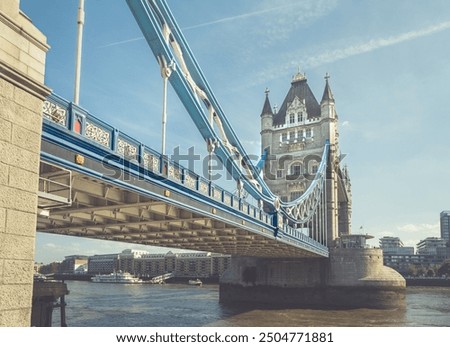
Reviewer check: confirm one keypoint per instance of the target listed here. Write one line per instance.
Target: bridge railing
(80, 122)
(300, 235)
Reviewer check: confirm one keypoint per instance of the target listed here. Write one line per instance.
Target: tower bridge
(77, 175)
(103, 184)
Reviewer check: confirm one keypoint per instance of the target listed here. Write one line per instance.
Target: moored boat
(196, 282)
(116, 277)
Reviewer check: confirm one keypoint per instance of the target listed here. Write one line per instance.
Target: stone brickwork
(22, 66)
(350, 278)
(362, 267)
(281, 273)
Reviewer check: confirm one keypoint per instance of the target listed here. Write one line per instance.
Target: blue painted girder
(149, 16)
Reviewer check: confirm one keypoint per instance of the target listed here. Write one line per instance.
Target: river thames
(176, 305)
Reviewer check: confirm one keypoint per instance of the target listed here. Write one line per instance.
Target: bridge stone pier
(22, 63)
(349, 278)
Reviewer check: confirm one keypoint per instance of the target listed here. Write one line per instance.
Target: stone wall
(22, 66)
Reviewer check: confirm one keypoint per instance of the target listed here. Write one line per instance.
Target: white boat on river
(116, 277)
(196, 282)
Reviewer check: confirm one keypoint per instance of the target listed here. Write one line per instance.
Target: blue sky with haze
(389, 67)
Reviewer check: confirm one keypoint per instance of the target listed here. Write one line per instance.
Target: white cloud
(283, 18)
(331, 56)
(410, 234)
(293, 12)
(419, 227)
(288, 17)
(50, 245)
(242, 16)
(117, 43)
(365, 47)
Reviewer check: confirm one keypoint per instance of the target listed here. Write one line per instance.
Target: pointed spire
(267, 109)
(327, 94)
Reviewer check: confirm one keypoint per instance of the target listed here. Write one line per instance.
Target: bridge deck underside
(101, 210)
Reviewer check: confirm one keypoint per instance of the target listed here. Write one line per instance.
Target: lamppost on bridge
(80, 24)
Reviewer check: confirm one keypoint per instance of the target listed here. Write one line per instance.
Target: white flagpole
(80, 22)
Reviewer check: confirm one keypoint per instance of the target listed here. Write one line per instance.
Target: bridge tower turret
(329, 127)
(338, 183)
(329, 116)
(266, 123)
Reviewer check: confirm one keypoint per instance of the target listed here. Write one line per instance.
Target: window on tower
(292, 118)
(284, 137)
(300, 117)
(308, 133)
(296, 169)
(292, 136)
(313, 167)
(301, 134)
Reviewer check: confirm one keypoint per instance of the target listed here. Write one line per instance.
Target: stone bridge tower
(352, 275)
(295, 136)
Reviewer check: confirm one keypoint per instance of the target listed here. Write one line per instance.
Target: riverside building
(431, 251)
(394, 246)
(145, 264)
(430, 246)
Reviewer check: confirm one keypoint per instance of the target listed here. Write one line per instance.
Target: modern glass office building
(445, 225)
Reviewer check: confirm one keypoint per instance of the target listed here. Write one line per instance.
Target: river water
(143, 305)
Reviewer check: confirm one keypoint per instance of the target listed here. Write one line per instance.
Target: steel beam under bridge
(103, 195)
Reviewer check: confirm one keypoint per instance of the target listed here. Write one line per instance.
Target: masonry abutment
(22, 92)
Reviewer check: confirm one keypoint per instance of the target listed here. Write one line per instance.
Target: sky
(389, 67)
